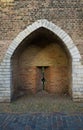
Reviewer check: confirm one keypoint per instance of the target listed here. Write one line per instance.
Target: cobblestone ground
(41, 112)
(41, 121)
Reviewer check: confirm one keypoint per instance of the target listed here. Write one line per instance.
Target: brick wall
(57, 80)
(16, 15)
(27, 64)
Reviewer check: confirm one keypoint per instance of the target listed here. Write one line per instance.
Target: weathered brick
(15, 16)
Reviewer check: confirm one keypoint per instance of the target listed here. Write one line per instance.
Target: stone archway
(77, 69)
(41, 63)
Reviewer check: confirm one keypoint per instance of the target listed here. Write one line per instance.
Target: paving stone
(41, 121)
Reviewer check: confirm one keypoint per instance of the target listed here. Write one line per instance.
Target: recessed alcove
(42, 48)
(52, 47)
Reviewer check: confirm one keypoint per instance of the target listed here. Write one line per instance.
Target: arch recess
(77, 68)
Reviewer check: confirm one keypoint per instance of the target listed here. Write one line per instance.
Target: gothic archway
(77, 68)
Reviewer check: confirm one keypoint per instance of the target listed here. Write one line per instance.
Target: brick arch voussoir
(73, 50)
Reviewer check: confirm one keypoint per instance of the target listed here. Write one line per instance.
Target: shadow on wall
(41, 48)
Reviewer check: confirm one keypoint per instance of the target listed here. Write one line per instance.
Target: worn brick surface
(27, 64)
(16, 15)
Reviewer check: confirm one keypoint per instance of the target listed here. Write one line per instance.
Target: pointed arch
(53, 28)
(5, 66)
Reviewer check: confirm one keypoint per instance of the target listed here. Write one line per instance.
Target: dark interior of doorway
(43, 78)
